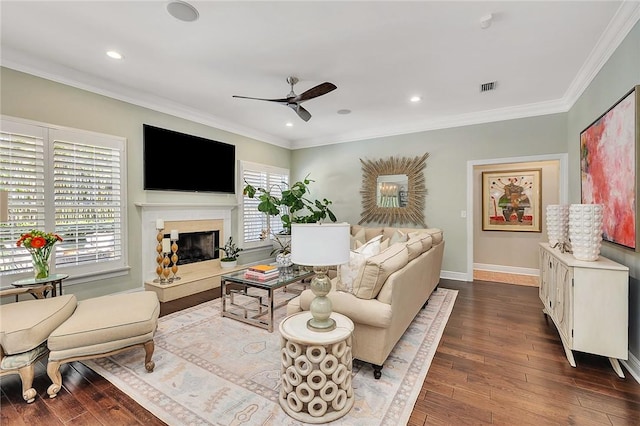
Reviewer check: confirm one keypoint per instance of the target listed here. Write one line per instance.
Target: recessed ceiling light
(114, 55)
(182, 10)
(344, 111)
(415, 99)
(289, 124)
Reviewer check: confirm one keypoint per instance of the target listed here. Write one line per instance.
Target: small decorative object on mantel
(585, 230)
(231, 251)
(39, 245)
(393, 190)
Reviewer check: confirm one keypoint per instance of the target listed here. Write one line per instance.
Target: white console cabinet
(588, 303)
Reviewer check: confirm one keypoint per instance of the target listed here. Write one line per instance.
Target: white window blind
(255, 223)
(65, 181)
(22, 177)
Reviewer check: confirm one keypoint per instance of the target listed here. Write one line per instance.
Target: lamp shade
(320, 244)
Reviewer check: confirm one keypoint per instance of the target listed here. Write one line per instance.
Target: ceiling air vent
(485, 87)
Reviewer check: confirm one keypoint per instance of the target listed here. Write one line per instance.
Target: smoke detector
(486, 20)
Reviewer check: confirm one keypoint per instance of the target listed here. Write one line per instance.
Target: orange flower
(38, 242)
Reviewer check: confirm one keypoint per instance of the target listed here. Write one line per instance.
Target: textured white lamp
(320, 245)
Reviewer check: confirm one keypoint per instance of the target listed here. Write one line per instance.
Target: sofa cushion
(377, 269)
(25, 325)
(414, 247)
(107, 319)
(369, 233)
(436, 235)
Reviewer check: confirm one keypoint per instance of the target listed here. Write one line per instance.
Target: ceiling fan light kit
(293, 101)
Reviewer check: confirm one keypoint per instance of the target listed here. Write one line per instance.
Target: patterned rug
(217, 371)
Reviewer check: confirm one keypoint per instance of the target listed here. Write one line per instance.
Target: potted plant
(231, 251)
(300, 209)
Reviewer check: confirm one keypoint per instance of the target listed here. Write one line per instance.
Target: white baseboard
(456, 276)
(506, 269)
(633, 366)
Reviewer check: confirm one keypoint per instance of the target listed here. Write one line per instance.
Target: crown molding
(22, 62)
(467, 119)
(621, 24)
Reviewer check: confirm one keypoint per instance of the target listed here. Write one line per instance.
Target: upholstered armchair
(24, 329)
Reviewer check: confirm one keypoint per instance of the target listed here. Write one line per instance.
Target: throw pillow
(377, 269)
(358, 237)
(398, 237)
(347, 273)
(371, 247)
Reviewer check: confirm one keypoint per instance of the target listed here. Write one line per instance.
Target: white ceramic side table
(316, 369)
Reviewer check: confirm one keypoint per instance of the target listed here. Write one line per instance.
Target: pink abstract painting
(608, 170)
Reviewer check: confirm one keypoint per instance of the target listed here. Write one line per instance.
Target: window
(255, 223)
(69, 182)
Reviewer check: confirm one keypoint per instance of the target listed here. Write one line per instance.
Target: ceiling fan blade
(302, 113)
(314, 92)
(282, 101)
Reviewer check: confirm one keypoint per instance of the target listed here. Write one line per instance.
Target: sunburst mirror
(393, 190)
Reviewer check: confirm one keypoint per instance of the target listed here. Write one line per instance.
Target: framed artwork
(609, 169)
(511, 200)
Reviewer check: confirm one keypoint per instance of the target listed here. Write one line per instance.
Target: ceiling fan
(293, 101)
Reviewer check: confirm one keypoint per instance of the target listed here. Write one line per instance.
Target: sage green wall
(339, 177)
(25, 96)
(615, 79)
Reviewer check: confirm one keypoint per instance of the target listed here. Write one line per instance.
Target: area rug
(217, 371)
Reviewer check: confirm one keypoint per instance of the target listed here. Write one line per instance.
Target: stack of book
(262, 272)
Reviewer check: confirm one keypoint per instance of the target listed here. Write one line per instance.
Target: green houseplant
(299, 208)
(231, 251)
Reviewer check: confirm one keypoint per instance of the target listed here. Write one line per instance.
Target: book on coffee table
(263, 268)
(261, 276)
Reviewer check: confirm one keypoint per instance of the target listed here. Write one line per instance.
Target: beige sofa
(388, 290)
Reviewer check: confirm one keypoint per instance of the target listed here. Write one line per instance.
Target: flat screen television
(174, 161)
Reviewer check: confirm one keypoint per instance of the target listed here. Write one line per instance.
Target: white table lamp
(320, 245)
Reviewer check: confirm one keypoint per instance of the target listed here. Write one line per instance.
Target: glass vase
(40, 265)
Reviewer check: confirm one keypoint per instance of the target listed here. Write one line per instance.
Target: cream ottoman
(24, 329)
(104, 326)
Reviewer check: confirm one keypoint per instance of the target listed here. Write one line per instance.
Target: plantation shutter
(66, 181)
(22, 172)
(88, 203)
(255, 223)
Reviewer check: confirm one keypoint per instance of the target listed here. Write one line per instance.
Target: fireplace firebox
(196, 247)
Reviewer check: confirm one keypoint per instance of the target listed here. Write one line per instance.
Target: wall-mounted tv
(176, 161)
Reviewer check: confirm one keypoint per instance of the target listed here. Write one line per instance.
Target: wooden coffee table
(259, 313)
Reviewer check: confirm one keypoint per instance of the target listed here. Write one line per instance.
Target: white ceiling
(541, 53)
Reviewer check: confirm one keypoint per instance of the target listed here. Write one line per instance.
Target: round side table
(316, 369)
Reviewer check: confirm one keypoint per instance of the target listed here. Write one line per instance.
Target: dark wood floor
(499, 362)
